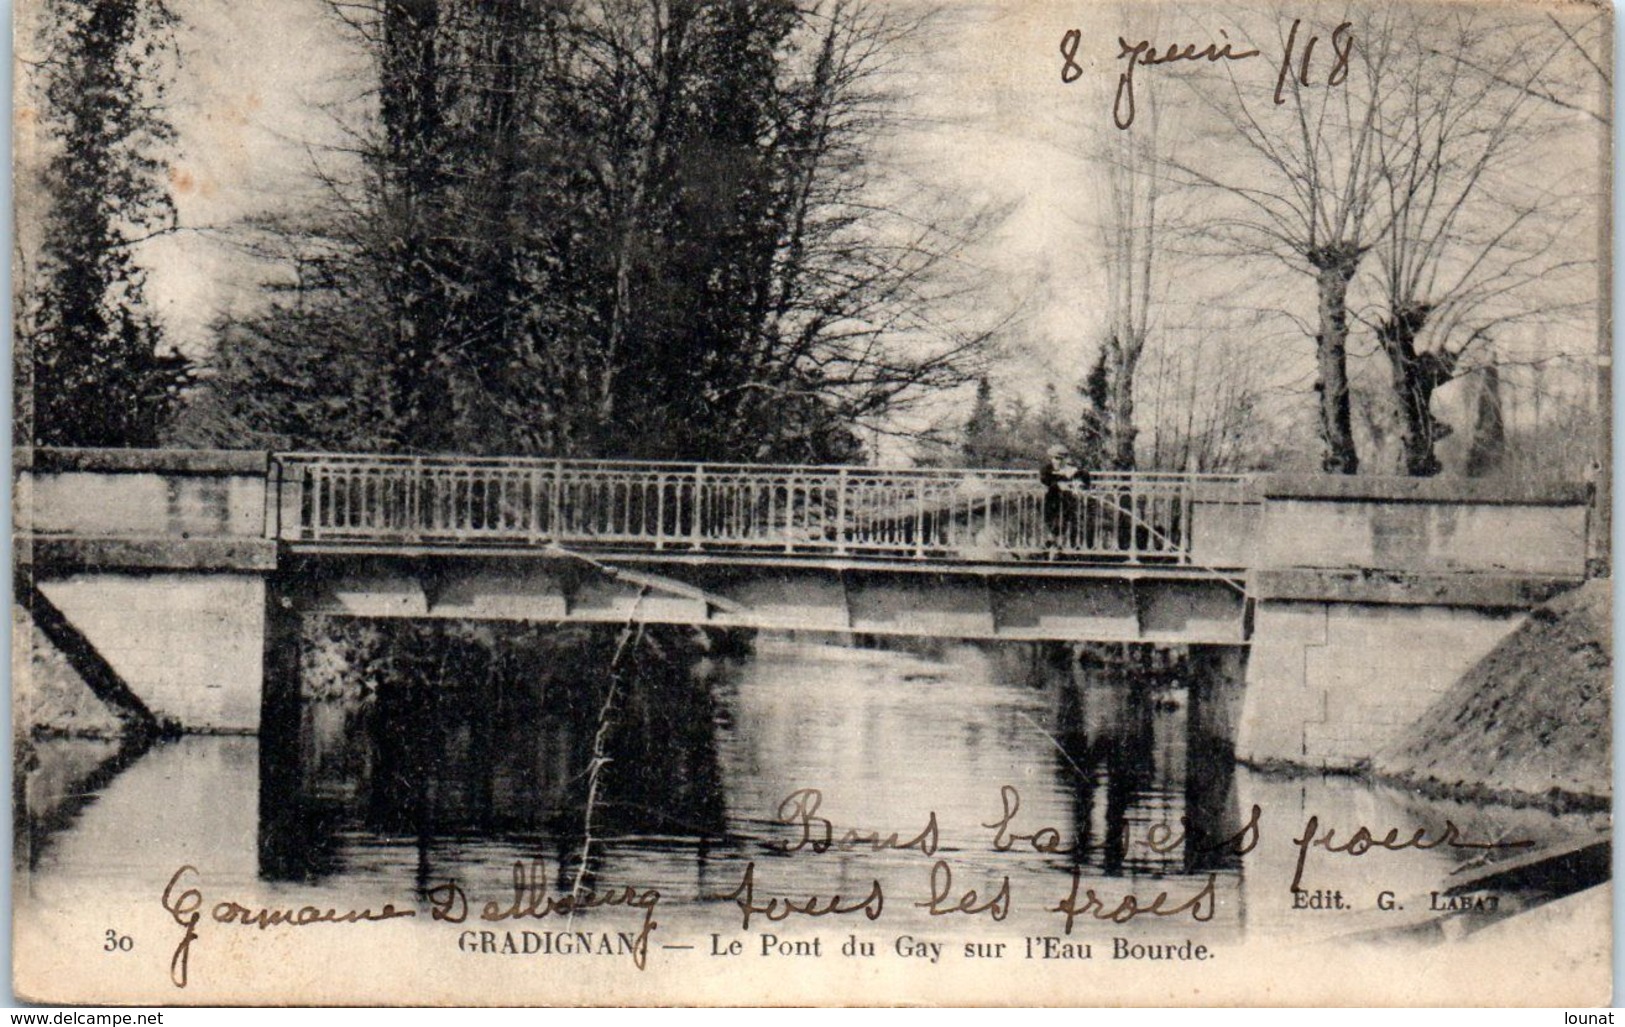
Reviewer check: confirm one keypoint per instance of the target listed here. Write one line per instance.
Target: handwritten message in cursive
(814, 834)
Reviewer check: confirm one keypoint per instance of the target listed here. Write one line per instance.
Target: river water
(1023, 777)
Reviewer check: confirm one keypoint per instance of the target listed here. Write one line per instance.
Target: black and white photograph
(812, 502)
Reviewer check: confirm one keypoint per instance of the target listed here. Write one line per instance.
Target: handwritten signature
(1295, 65)
(447, 902)
(186, 908)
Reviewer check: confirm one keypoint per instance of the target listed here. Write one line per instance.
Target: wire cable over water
(1238, 584)
(598, 761)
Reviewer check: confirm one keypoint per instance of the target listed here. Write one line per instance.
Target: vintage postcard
(992, 502)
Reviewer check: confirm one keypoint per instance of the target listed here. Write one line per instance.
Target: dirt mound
(1531, 719)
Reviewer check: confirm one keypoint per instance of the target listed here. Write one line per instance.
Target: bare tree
(1295, 183)
(1208, 406)
(1479, 234)
(1416, 152)
(638, 228)
(1133, 185)
(1588, 40)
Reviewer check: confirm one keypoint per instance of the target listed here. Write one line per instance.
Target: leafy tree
(981, 444)
(90, 350)
(619, 228)
(1488, 450)
(1091, 440)
(1017, 436)
(1050, 424)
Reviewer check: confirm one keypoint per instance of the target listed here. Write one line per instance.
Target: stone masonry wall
(190, 645)
(1330, 684)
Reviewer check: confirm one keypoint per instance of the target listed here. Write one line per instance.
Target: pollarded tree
(1410, 147)
(1482, 214)
(96, 374)
(1291, 168)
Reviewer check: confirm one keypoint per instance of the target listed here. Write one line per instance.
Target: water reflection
(56, 778)
(454, 746)
(457, 740)
(455, 759)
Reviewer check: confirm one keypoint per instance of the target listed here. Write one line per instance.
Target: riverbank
(1531, 722)
(49, 697)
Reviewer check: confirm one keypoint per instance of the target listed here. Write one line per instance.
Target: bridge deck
(1060, 567)
(967, 553)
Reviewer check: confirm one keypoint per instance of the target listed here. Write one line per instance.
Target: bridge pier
(1372, 596)
(157, 558)
(283, 822)
(189, 645)
(1217, 693)
(1212, 719)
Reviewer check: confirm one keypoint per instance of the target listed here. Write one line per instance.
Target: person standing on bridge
(1062, 480)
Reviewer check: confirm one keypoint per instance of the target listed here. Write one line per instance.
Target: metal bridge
(425, 503)
(189, 572)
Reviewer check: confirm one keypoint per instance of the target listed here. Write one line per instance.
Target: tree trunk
(409, 107)
(1335, 266)
(1415, 377)
(1125, 358)
(489, 306)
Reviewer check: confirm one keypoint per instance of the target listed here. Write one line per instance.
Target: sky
(986, 119)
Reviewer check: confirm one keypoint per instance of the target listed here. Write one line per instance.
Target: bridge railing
(963, 514)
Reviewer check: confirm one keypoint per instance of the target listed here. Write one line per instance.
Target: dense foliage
(90, 368)
(599, 229)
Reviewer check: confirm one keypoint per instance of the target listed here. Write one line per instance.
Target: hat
(1057, 450)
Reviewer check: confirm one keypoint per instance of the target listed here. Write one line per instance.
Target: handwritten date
(1296, 67)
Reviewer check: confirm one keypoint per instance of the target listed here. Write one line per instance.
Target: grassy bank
(1531, 722)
